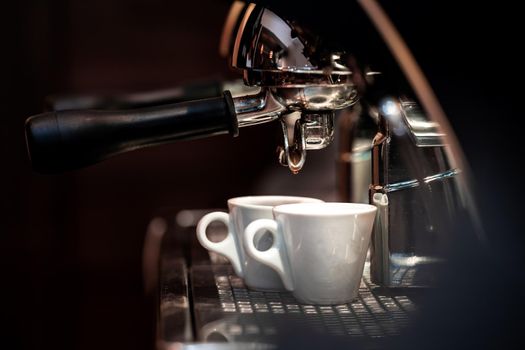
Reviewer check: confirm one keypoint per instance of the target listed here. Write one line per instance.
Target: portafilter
(293, 73)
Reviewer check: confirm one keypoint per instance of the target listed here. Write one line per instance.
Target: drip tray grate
(224, 309)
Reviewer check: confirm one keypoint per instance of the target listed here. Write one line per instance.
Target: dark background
(71, 244)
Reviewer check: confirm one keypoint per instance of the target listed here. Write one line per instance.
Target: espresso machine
(311, 86)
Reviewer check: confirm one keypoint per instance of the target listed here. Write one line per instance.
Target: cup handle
(226, 247)
(275, 257)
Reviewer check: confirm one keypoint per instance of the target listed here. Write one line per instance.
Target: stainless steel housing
(416, 191)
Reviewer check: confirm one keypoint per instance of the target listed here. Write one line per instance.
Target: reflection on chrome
(424, 132)
(300, 73)
(413, 184)
(257, 109)
(390, 109)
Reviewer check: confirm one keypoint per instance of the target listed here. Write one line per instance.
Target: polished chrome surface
(314, 130)
(238, 89)
(318, 129)
(257, 109)
(416, 191)
(299, 73)
(295, 78)
(266, 41)
(250, 103)
(424, 132)
(316, 97)
(402, 185)
(302, 132)
(293, 153)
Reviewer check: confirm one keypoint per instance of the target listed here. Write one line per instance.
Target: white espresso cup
(318, 249)
(242, 211)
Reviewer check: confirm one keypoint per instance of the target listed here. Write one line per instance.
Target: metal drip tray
(225, 310)
(203, 304)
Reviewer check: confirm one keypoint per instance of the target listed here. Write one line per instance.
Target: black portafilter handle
(66, 140)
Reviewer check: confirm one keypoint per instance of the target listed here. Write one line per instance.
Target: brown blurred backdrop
(73, 242)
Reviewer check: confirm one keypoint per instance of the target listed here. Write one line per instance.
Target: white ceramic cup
(319, 249)
(242, 211)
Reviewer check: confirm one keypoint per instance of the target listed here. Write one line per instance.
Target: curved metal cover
(267, 42)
